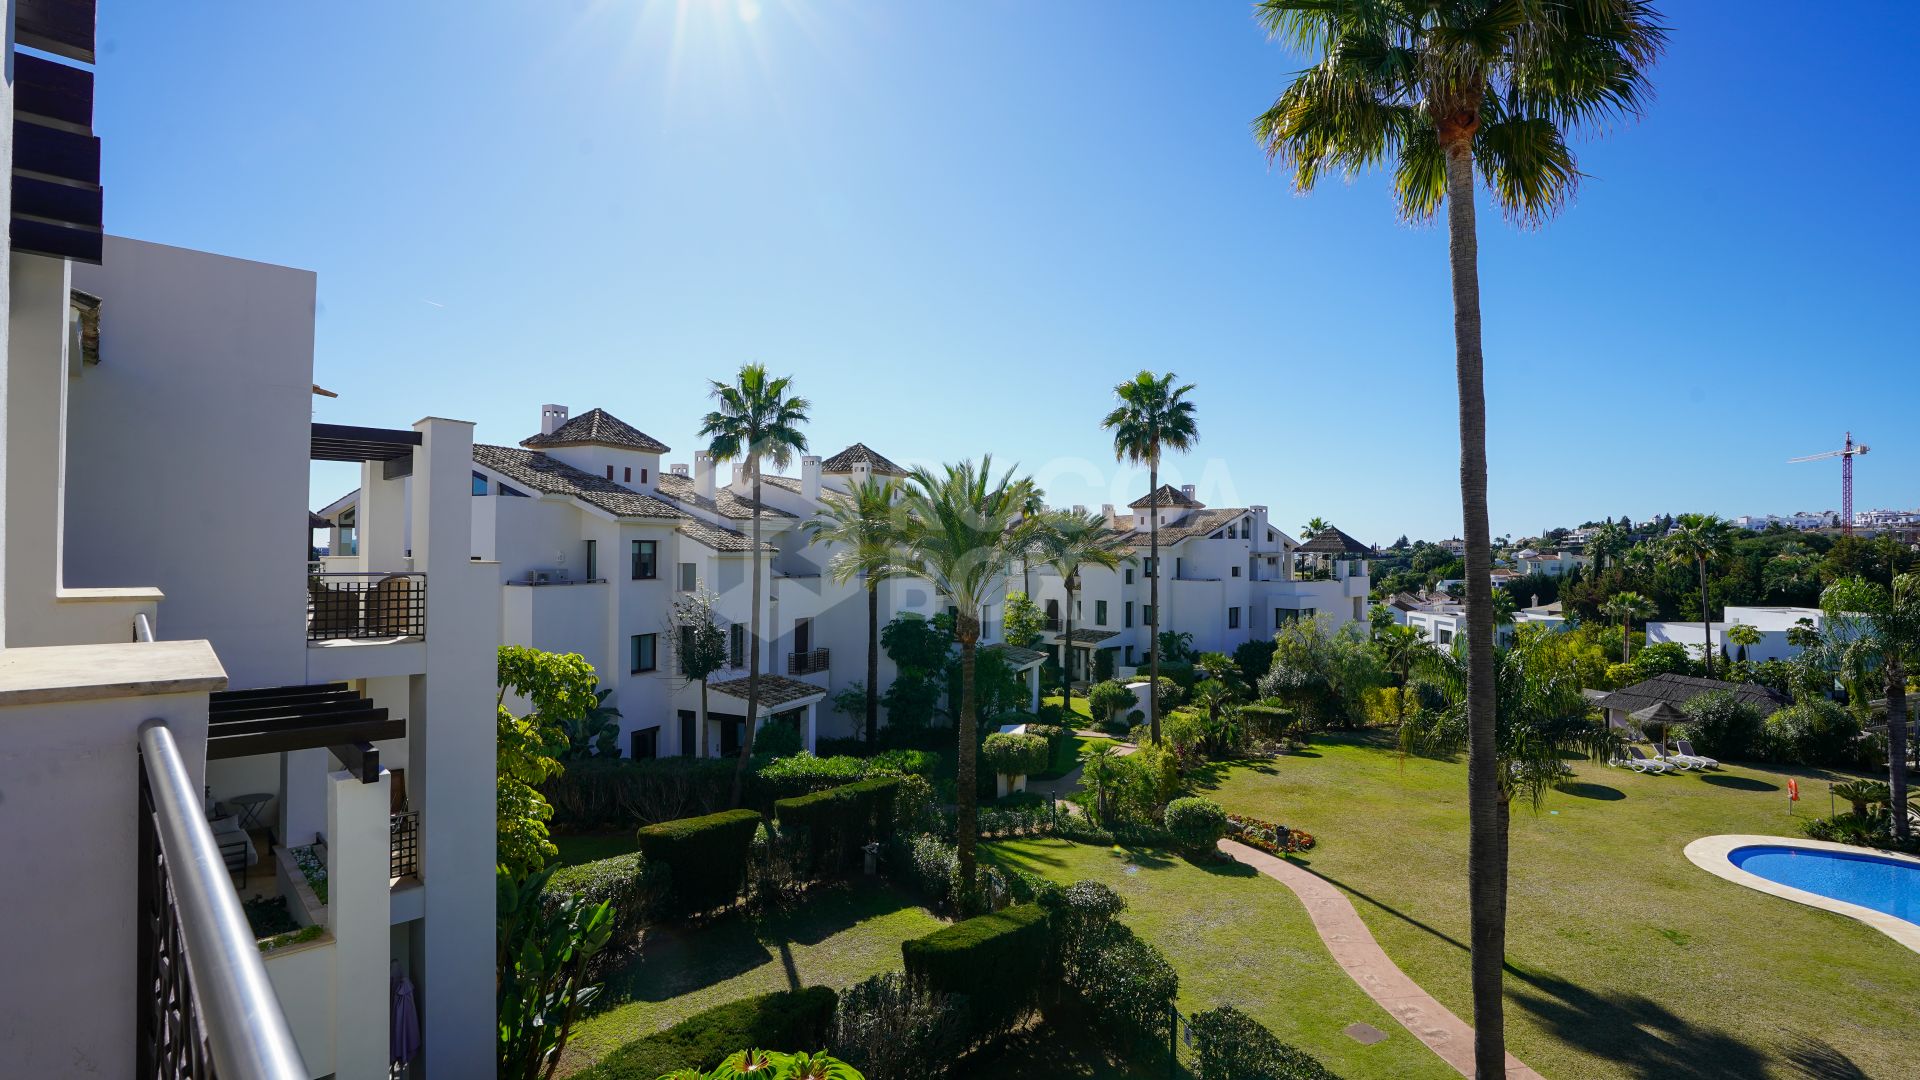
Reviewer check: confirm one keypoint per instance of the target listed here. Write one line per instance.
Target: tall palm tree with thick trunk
(1697, 540)
(1438, 89)
(1883, 626)
(955, 531)
(757, 419)
(1067, 541)
(1628, 607)
(862, 524)
(1153, 416)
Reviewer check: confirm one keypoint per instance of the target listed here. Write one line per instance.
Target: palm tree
(1607, 541)
(1403, 649)
(1067, 541)
(1443, 87)
(1032, 509)
(1883, 624)
(1312, 527)
(863, 525)
(1627, 607)
(757, 420)
(955, 531)
(1743, 635)
(1153, 416)
(1697, 540)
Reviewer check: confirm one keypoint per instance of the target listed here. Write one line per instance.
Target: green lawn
(841, 935)
(1237, 938)
(1079, 705)
(1625, 959)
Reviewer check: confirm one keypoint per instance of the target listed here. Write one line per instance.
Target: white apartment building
(181, 700)
(1231, 577)
(1772, 622)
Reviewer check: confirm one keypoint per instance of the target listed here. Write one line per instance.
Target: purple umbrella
(405, 1038)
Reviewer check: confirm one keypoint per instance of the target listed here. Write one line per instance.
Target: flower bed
(312, 869)
(1265, 835)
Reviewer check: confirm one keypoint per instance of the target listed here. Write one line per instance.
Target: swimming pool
(1870, 881)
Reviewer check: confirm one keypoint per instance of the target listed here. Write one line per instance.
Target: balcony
(403, 850)
(807, 663)
(366, 606)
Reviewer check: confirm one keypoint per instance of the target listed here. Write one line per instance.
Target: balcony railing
(404, 845)
(354, 606)
(206, 1007)
(806, 663)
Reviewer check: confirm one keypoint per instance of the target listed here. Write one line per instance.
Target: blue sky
(958, 225)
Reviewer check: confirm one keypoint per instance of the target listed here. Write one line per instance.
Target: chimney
(551, 418)
(739, 479)
(1536, 599)
(703, 474)
(862, 472)
(1106, 514)
(1079, 510)
(679, 470)
(810, 478)
(1187, 490)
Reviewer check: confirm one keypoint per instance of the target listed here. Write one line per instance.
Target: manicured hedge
(996, 960)
(839, 821)
(1196, 824)
(706, 857)
(1230, 1045)
(1015, 755)
(803, 774)
(619, 793)
(634, 886)
(789, 1020)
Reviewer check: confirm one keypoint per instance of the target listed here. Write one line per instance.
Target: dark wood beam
(219, 697)
(54, 240)
(223, 747)
(360, 758)
(323, 718)
(276, 710)
(55, 152)
(61, 27)
(395, 468)
(51, 91)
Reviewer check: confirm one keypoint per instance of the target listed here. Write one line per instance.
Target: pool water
(1883, 885)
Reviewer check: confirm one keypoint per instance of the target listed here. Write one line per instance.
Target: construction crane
(1846, 455)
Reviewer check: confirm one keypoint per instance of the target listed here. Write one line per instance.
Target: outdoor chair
(1686, 750)
(1642, 762)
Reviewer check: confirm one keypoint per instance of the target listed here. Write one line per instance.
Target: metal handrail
(247, 1032)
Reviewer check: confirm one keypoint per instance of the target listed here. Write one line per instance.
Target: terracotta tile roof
(1083, 636)
(1198, 523)
(598, 427)
(535, 470)
(775, 690)
(719, 538)
(724, 502)
(1169, 496)
(845, 460)
(1016, 656)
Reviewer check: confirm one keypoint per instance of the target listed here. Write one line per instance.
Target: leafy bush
(904, 762)
(804, 774)
(1230, 1045)
(634, 887)
(890, 1029)
(1196, 824)
(926, 864)
(617, 793)
(1105, 700)
(1121, 979)
(1722, 726)
(1254, 657)
(1183, 675)
(1015, 755)
(995, 960)
(776, 739)
(916, 809)
(705, 857)
(840, 821)
(797, 1018)
(1272, 723)
(1815, 732)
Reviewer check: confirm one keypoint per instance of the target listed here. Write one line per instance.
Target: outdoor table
(249, 806)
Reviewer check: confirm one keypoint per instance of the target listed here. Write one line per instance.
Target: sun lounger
(1701, 760)
(1640, 761)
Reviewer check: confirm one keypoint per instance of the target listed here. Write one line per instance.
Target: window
(1129, 656)
(737, 645)
(626, 475)
(479, 484)
(609, 472)
(644, 743)
(1146, 565)
(1233, 618)
(643, 476)
(349, 539)
(644, 648)
(1446, 637)
(686, 646)
(593, 560)
(645, 559)
(1146, 614)
(1126, 612)
(689, 577)
(1100, 612)
(1053, 611)
(1129, 575)
(689, 726)
(1236, 571)
(1233, 532)
(502, 489)
(1179, 569)
(1080, 610)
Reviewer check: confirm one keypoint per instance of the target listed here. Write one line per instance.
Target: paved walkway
(1062, 786)
(1362, 958)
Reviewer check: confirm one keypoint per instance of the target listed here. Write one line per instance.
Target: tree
(1607, 541)
(1700, 539)
(1883, 624)
(1175, 645)
(1106, 699)
(1312, 527)
(596, 732)
(1627, 607)
(1067, 541)
(1403, 649)
(560, 688)
(701, 646)
(1743, 635)
(956, 534)
(1153, 416)
(862, 525)
(1023, 622)
(1442, 87)
(757, 419)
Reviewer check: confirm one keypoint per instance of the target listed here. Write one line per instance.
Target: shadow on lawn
(1583, 790)
(1638, 1033)
(1739, 783)
(1820, 1060)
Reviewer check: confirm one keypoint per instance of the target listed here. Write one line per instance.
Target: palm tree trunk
(1066, 651)
(1897, 743)
(1626, 639)
(1487, 837)
(873, 664)
(1153, 596)
(753, 643)
(1706, 620)
(968, 627)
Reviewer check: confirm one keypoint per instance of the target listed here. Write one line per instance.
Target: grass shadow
(1738, 783)
(1585, 790)
(1818, 1059)
(1637, 1033)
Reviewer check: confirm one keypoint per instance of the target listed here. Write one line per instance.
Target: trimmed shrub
(840, 821)
(1271, 723)
(890, 1029)
(777, 739)
(790, 1018)
(995, 960)
(705, 857)
(1813, 732)
(1121, 979)
(1230, 1045)
(1722, 726)
(1015, 755)
(804, 774)
(1107, 700)
(905, 762)
(617, 793)
(1196, 824)
(634, 887)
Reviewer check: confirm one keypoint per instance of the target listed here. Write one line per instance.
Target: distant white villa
(1772, 622)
